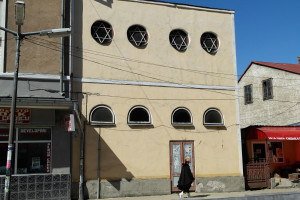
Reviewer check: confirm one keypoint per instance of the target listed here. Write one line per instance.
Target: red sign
(22, 116)
(69, 123)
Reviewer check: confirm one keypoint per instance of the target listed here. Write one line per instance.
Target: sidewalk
(270, 194)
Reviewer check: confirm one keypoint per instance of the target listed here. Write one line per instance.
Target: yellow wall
(143, 152)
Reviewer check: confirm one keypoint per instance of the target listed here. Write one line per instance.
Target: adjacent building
(42, 155)
(270, 114)
(156, 83)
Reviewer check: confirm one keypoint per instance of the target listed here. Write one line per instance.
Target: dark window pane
(34, 158)
(139, 115)
(213, 117)
(209, 42)
(182, 116)
(179, 39)
(259, 151)
(267, 89)
(248, 94)
(102, 32)
(137, 35)
(102, 114)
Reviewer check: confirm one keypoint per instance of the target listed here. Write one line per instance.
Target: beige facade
(161, 79)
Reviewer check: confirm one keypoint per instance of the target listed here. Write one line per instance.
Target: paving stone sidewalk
(268, 194)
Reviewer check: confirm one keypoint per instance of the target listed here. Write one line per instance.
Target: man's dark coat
(186, 178)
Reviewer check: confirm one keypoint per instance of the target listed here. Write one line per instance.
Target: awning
(274, 133)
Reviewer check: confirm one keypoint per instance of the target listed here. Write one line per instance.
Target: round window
(179, 39)
(210, 42)
(137, 36)
(102, 32)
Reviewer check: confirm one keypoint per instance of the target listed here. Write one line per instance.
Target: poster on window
(36, 163)
(22, 116)
(48, 164)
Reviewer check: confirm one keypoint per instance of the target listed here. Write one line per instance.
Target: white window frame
(99, 122)
(132, 123)
(182, 124)
(213, 124)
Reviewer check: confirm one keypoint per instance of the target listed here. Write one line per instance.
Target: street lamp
(19, 17)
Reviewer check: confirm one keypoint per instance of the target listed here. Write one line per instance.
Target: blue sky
(266, 30)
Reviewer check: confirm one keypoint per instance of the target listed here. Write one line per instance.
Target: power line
(109, 66)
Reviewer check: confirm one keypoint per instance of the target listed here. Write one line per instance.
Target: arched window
(182, 117)
(102, 115)
(213, 117)
(139, 115)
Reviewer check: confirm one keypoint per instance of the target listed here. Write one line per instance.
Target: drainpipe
(81, 151)
(98, 169)
(62, 24)
(71, 58)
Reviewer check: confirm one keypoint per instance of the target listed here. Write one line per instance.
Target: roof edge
(266, 64)
(179, 5)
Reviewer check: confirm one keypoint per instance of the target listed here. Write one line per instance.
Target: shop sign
(22, 116)
(4, 134)
(69, 123)
(34, 134)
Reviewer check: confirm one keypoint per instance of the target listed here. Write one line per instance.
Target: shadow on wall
(107, 3)
(111, 167)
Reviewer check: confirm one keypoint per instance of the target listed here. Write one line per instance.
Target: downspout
(81, 151)
(98, 169)
(61, 71)
(71, 47)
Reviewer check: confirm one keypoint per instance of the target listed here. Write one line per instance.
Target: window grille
(102, 32)
(210, 42)
(179, 39)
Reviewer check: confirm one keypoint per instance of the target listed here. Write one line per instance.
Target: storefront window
(259, 151)
(32, 150)
(277, 153)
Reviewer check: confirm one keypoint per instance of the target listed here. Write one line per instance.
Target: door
(179, 150)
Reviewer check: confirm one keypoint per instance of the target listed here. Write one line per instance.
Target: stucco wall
(144, 152)
(159, 61)
(282, 110)
(129, 154)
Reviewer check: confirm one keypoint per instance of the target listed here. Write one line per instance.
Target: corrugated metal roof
(293, 68)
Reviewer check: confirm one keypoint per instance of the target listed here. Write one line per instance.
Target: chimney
(298, 59)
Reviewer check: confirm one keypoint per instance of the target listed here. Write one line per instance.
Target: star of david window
(179, 39)
(210, 43)
(102, 32)
(137, 36)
